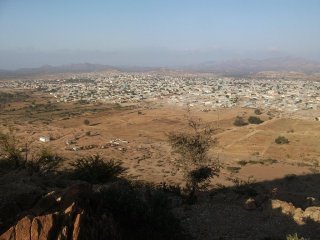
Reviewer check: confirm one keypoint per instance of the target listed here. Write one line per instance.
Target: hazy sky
(155, 32)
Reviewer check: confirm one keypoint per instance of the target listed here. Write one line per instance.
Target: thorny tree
(193, 145)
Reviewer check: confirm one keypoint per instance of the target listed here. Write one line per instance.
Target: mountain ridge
(246, 66)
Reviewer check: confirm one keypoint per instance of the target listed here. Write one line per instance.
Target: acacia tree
(193, 146)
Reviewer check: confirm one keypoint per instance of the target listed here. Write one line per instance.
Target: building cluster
(206, 91)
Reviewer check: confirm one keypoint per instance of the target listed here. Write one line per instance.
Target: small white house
(44, 139)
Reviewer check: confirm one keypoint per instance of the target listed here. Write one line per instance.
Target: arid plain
(137, 135)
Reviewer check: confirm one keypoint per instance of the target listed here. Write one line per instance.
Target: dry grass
(146, 133)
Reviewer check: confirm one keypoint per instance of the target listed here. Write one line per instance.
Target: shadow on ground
(261, 210)
(124, 210)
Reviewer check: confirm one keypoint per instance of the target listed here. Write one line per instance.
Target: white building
(44, 139)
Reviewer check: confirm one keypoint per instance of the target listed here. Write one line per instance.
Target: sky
(155, 32)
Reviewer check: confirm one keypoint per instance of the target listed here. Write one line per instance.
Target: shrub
(281, 140)
(10, 154)
(270, 161)
(254, 120)
(86, 122)
(239, 121)
(234, 169)
(11, 157)
(242, 162)
(200, 174)
(257, 112)
(244, 187)
(142, 212)
(46, 162)
(94, 169)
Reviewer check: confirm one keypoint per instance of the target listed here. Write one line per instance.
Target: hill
(253, 66)
(48, 69)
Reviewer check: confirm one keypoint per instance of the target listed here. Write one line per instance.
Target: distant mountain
(73, 68)
(48, 69)
(252, 66)
(229, 67)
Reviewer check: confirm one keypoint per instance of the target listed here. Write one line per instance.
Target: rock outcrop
(300, 216)
(62, 216)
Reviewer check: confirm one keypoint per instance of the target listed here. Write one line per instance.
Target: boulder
(312, 213)
(285, 207)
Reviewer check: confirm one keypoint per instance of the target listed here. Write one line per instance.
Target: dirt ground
(136, 135)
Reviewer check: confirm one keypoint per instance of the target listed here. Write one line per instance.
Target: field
(137, 135)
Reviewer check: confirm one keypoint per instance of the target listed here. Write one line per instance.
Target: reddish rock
(35, 229)
(8, 235)
(60, 221)
(23, 228)
(76, 226)
(47, 224)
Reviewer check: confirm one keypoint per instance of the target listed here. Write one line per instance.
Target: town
(203, 91)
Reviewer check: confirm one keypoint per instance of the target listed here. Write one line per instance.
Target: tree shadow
(218, 214)
(278, 207)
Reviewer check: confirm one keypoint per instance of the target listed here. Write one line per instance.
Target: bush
(239, 121)
(244, 187)
(254, 120)
(46, 162)
(281, 140)
(11, 157)
(201, 174)
(10, 154)
(94, 169)
(142, 212)
(257, 112)
(242, 162)
(86, 122)
(234, 169)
